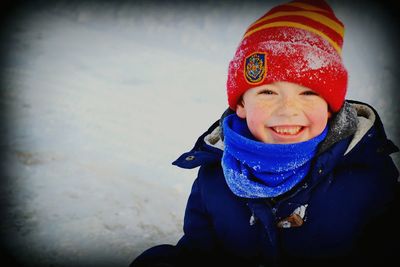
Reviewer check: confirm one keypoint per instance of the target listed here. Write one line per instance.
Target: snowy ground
(100, 98)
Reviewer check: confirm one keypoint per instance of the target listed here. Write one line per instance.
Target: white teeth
(287, 130)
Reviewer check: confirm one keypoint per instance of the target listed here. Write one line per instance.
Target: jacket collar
(349, 125)
(201, 153)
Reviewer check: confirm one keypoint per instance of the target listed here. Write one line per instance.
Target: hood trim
(214, 139)
(366, 119)
(341, 126)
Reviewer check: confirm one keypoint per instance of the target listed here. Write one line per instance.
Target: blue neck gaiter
(254, 169)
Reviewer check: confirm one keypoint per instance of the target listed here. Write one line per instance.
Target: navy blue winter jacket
(346, 207)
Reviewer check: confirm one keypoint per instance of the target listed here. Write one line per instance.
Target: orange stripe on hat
(306, 7)
(313, 16)
(299, 26)
(328, 22)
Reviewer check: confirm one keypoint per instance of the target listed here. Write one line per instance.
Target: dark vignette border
(10, 12)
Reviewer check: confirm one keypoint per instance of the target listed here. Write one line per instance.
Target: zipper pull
(253, 219)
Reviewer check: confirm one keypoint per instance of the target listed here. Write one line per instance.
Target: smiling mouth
(287, 130)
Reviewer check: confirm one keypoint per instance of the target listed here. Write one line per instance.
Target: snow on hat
(299, 42)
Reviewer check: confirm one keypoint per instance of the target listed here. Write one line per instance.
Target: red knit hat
(297, 42)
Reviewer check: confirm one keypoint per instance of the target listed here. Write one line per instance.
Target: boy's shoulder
(369, 135)
(357, 126)
(364, 155)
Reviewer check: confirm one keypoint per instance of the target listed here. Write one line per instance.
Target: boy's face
(283, 113)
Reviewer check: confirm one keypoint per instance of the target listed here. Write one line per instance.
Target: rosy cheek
(252, 122)
(318, 121)
(257, 116)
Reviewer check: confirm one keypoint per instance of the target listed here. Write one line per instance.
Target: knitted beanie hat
(298, 42)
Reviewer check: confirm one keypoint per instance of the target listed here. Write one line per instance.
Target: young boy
(292, 173)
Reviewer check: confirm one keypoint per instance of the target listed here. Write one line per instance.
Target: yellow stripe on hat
(295, 25)
(308, 14)
(306, 7)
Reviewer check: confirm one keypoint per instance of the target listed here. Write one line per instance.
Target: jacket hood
(354, 120)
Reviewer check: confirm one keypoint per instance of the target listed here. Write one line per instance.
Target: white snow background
(102, 96)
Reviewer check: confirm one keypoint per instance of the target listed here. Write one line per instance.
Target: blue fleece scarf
(254, 169)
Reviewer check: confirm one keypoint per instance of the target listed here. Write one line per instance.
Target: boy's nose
(288, 107)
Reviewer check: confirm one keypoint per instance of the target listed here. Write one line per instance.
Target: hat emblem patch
(255, 68)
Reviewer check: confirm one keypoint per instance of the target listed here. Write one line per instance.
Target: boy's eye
(267, 92)
(309, 93)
